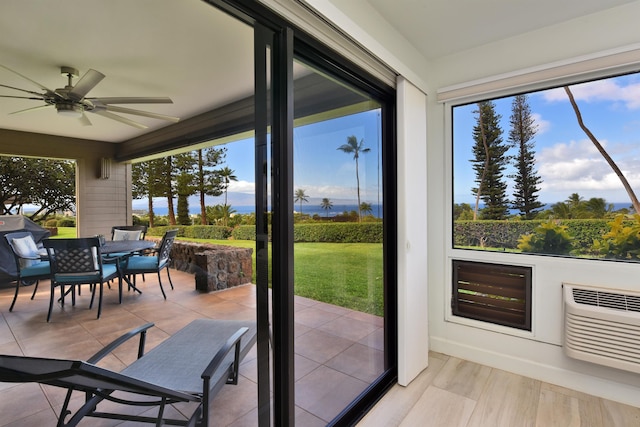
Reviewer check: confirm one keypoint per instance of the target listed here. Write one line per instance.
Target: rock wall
(215, 267)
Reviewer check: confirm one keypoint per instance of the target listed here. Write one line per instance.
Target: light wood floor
(456, 393)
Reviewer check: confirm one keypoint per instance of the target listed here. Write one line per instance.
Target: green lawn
(65, 233)
(344, 274)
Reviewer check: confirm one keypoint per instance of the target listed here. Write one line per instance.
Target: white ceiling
(187, 50)
(439, 28)
(202, 58)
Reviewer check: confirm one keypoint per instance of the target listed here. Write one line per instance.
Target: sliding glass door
(325, 230)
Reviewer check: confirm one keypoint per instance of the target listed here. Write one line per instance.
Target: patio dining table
(126, 248)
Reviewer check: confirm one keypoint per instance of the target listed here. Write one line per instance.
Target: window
(495, 293)
(529, 178)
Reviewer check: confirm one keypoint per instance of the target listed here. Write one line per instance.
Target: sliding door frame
(277, 42)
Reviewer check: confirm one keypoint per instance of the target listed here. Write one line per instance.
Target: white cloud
(601, 90)
(241, 186)
(577, 167)
(543, 125)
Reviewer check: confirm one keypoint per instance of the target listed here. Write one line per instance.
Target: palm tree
(300, 196)
(227, 176)
(355, 147)
(326, 205)
(220, 214)
(366, 208)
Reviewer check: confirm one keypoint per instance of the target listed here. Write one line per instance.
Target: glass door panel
(338, 245)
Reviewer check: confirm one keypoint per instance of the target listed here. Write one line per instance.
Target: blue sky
(566, 159)
(319, 167)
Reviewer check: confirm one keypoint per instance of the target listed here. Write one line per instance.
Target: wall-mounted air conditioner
(602, 326)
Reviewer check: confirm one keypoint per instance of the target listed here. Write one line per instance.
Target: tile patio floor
(338, 351)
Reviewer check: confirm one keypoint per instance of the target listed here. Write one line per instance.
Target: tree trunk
(486, 164)
(625, 183)
(172, 215)
(151, 214)
(358, 191)
(203, 208)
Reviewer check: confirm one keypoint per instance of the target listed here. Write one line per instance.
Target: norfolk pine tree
(489, 162)
(146, 181)
(523, 130)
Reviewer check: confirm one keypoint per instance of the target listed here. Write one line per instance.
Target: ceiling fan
(72, 101)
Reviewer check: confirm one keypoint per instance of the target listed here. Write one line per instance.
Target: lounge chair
(190, 366)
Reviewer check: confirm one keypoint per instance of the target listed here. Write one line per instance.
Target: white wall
(538, 353)
(413, 353)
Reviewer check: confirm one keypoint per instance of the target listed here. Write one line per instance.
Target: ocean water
(376, 210)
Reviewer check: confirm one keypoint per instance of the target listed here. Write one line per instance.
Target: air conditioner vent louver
(602, 326)
(607, 299)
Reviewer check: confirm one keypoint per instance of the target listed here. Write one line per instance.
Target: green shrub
(492, 233)
(506, 234)
(67, 222)
(370, 232)
(213, 232)
(159, 231)
(585, 231)
(140, 220)
(338, 232)
(244, 232)
(51, 223)
(622, 241)
(547, 238)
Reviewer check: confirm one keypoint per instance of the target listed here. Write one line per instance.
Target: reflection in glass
(338, 249)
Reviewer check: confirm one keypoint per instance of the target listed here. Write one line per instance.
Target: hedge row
(339, 232)
(325, 232)
(212, 232)
(505, 234)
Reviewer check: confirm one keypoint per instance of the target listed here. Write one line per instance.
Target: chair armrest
(232, 342)
(142, 330)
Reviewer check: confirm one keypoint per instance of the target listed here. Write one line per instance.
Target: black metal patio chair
(140, 264)
(76, 262)
(29, 265)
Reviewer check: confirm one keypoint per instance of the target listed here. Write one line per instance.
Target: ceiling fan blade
(132, 100)
(23, 90)
(142, 113)
(119, 119)
(87, 82)
(22, 97)
(39, 107)
(49, 91)
(84, 120)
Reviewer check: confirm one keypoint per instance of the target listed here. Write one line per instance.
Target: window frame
(503, 86)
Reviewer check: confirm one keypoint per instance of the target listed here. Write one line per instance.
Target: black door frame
(276, 44)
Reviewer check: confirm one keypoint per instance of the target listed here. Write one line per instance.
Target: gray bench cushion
(160, 366)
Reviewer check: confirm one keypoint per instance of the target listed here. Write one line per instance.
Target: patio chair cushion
(38, 268)
(27, 250)
(140, 263)
(108, 271)
(126, 234)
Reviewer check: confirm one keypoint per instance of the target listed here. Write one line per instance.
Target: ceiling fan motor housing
(70, 109)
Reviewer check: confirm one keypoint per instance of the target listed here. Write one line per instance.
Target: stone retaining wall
(215, 267)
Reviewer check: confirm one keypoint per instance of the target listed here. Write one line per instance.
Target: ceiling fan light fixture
(70, 110)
